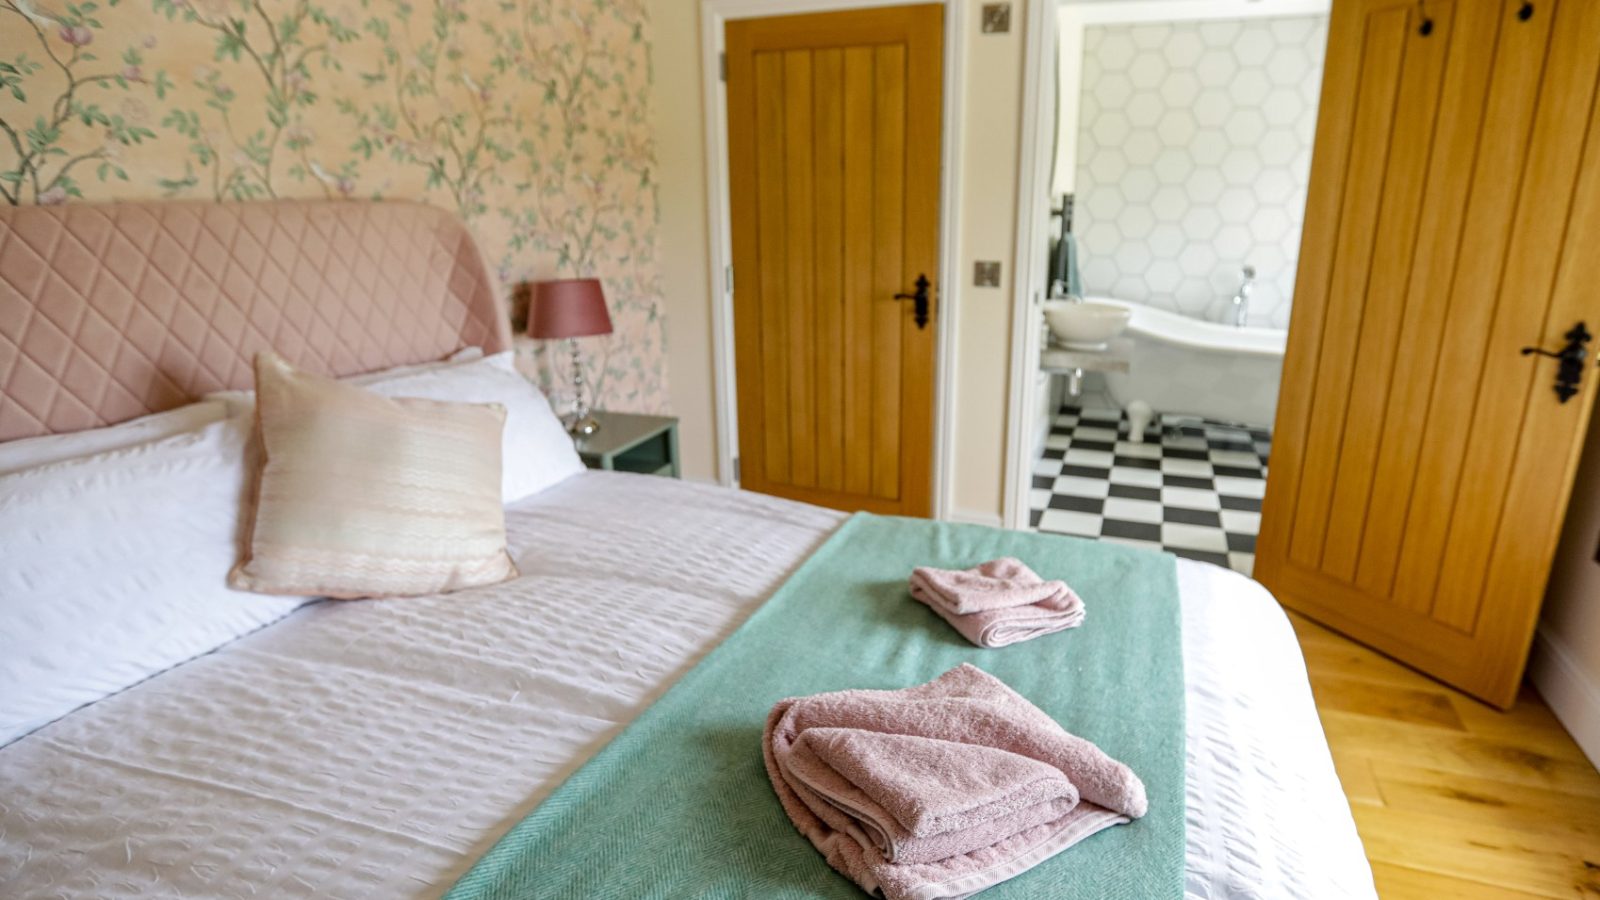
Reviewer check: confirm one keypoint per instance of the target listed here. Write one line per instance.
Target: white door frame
(1050, 21)
(714, 15)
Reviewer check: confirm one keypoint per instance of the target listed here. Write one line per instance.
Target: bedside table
(630, 442)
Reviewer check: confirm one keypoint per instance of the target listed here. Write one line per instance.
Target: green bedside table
(629, 442)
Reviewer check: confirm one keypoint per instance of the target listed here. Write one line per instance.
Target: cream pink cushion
(359, 495)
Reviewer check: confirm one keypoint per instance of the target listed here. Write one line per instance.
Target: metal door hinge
(736, 468)
(727, 279)
(722, 66)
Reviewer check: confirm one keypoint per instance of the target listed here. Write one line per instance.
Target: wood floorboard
(1452, 798)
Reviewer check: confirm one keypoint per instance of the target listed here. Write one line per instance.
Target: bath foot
(1139, 416)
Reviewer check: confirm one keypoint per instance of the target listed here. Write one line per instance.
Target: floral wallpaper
(528, 118)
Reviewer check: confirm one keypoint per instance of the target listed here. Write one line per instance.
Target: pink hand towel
(996, 584)
(998, 603)
(884, 782)
(878, 783)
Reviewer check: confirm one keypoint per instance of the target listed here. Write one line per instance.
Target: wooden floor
(1452, 798)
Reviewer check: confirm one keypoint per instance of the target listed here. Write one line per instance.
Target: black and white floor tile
(1192, 488)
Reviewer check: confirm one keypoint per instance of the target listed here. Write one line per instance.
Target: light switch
(986, 273)
(996, 18)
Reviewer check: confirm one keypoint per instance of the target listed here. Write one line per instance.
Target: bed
(378, 749)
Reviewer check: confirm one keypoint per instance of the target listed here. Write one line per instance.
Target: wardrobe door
(1422, 458)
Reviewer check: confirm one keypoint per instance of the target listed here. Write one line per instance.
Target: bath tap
(1241, 300)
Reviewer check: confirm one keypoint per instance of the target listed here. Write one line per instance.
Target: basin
(1087, 325)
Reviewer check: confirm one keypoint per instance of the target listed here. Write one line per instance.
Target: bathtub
(1185, 366)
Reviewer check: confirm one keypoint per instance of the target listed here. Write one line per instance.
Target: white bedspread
(377, 748)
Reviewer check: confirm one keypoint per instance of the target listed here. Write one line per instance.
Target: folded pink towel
(943, 789)
(998, 603)
(997, 584)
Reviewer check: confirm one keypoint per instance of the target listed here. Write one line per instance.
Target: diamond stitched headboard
(111, 311)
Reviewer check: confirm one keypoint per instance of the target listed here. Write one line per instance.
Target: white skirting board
(977, 517)
(1572, 695)
(963, 516)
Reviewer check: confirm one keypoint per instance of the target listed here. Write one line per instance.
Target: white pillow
(25, 453)
(464, 355)
(240, 402)
(114, 567)
(536, 451)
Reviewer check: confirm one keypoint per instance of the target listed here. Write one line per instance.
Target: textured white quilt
(377, 748)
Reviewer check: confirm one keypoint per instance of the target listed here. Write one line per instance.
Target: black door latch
(1570, 373)
(919, 310)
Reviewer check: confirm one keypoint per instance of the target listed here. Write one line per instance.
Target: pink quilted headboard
(113, 311)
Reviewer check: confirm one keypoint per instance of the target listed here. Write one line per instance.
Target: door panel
(1374, 121)
(833, 123)
(1421, 463)
(1466, 162)
(1415, 105)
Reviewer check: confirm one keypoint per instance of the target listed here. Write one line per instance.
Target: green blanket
(678, 805)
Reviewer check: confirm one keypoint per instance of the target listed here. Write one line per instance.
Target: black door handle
(1570, 373)
(919, 310)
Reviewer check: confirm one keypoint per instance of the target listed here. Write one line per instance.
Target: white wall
(1193, 156)
(989, 164)
(988, 179)
(1566, 658)
(678, 117)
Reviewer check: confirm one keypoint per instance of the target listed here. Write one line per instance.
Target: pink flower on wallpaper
(76, 35)
(135, 111)
(547, 155)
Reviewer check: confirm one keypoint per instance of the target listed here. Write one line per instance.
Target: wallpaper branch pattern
(528, 118)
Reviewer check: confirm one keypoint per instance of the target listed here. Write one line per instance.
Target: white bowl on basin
(1086, 326)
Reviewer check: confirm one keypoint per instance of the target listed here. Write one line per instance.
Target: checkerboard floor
(1192, 488)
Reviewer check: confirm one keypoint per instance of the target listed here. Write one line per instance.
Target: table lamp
(571, 308)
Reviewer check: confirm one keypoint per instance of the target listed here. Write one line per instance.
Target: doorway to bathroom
(1170, 160)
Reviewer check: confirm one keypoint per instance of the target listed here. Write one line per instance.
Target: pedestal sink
(1087, 325)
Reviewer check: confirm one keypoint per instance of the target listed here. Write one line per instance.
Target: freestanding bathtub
(1185, 366)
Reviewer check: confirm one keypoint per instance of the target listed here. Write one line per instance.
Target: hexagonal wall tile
(1193, 159)
(1110, 90)
(1148, 70)
(1212, 107)
(1116, 50)
(1180, 88)
(1138, 187)
(1176, 128)
(1216, 66)
(1167, 240)
(1255, 44)
(1169, 204)
(1141, 149)
(1144, 109)
(1111, 128)
(1250, 87)
(1152, 36)
(1245, 126)
(1163, 276)
(1277, 148)
(1173, 166)
(1183, 49)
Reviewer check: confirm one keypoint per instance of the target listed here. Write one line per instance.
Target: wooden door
(833, 134)
(1422, 464)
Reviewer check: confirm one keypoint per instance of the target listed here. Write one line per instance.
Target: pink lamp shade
(568, 308)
